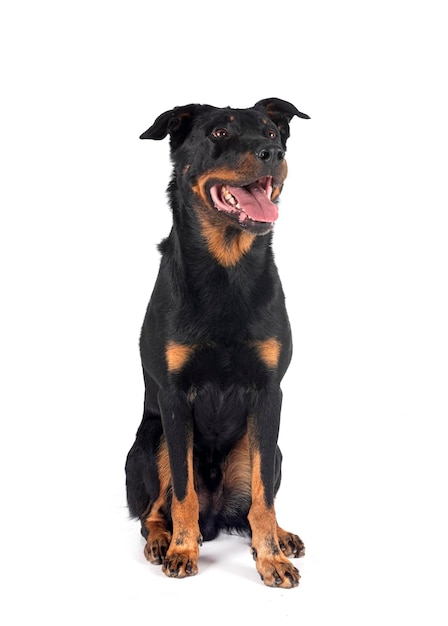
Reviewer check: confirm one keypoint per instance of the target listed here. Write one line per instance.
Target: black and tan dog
(215, 345)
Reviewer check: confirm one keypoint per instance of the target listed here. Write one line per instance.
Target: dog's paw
(180, 565)
(290, 544)
(278, 572)
(156, 549)
(157, 542)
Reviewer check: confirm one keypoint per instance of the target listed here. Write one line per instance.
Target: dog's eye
(271, 133)
(220, 133)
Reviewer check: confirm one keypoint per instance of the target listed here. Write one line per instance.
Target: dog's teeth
(228, 197)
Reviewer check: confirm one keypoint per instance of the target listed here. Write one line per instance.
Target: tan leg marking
(272, 565)
(237, 469)
(159, 537)
(236, 478)
(182, 556)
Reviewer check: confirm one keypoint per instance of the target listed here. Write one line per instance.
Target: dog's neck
(219, 294)
(225, 250)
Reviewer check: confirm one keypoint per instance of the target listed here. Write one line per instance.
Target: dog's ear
(281, 113)
(175, 123)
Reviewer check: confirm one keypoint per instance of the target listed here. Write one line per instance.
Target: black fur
(215, 344)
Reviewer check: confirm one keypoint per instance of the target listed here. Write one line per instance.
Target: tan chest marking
(269, 351)
(177, 355)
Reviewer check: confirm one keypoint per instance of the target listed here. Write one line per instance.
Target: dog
(215, 344)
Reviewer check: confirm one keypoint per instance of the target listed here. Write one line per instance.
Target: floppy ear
(281, 113)
(177, 123)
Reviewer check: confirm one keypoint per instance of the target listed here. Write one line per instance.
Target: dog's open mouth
(250, 202)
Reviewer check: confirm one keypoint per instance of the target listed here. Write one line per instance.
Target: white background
(361, 245)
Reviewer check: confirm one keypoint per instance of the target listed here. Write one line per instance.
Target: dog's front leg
(182, 556)
(274, 568)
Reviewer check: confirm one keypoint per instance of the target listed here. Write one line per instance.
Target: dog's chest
(246, 363)
(221, 382)
(220, 412)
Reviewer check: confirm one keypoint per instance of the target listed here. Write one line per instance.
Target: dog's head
(231, 162)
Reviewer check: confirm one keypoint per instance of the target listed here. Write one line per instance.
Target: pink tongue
(253, 201)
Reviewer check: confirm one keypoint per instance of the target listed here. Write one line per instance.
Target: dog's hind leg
(158, 535)
(141, 468)
(148, 483)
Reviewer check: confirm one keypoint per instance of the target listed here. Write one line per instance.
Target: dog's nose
(268, 154)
